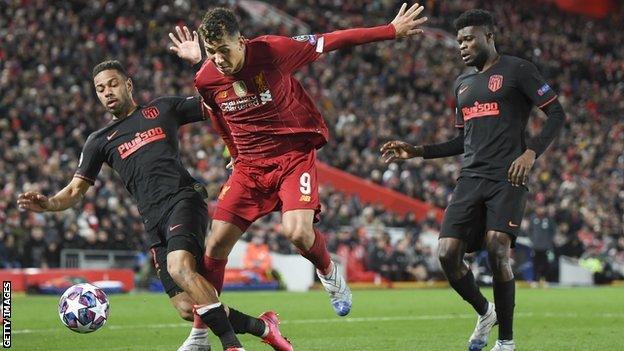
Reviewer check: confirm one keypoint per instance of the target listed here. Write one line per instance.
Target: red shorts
(256, 188)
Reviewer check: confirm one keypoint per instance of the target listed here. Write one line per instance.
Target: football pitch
(436, 319)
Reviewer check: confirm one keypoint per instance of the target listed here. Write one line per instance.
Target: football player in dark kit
(493, 105)
(141, 145)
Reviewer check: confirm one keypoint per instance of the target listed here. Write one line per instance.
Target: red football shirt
(265, 109)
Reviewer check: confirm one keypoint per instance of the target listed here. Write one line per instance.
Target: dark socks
(467, 288)
(242, 323)
(217, 320)
(504, 298)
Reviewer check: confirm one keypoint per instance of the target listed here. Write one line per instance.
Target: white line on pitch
(351, 320)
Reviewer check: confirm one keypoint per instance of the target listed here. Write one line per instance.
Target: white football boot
(478, 339)
(338, 290)
(196, 341)
(504, 345)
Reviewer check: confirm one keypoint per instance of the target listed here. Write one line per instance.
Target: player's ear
(129, 85)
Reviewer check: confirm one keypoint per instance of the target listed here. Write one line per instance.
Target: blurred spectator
(368, 94)
(542, 229)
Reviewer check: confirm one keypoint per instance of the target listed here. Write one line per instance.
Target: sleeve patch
(543, 90)
(309, 38)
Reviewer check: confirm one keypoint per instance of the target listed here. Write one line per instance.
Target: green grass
(546, 319)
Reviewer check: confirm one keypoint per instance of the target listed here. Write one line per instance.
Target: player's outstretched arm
(399, 150)
(405, 24)
(186, 45)
(64, 199)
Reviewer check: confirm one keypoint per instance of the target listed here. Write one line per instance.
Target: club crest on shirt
(240, 89)
(263, 88)
(222, 95)
(495, 83)
(150, 112)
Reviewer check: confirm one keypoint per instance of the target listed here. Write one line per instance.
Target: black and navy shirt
(493, 109)
(143, 149)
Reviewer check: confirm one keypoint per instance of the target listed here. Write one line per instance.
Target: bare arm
(64, 199)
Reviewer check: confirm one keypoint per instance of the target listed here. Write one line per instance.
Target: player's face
(113, 90)
(228, 54)
(473, 44)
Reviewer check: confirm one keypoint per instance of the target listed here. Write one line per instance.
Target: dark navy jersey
(143, 149)
(493, 109)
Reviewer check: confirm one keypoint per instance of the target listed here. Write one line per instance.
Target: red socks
(318, 254)
(214, 271)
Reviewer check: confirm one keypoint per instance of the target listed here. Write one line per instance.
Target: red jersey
(262, 110)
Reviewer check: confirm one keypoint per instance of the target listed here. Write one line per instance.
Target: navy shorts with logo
(480, 205)
(183, 229)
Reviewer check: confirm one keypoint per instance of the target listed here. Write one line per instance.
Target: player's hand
(519, 170)
(185, 45)
(33, 201)
(406, 22)
(399, 150)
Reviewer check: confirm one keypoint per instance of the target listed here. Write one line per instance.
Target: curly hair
(109, 64)
(218, 22)
(475, 17)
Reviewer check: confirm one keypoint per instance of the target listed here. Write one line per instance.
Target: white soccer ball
(83, 308)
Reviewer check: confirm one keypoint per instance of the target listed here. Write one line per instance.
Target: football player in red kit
(272, 129)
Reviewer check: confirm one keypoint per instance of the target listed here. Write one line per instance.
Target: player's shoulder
(165, 101)
(208, 75)
(514, 62)
(462, 77)
(98, 136)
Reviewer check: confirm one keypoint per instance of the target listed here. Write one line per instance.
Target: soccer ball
(83, 308)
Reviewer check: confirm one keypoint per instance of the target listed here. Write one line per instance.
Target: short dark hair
(217, 22)
(475, 17)
(110, 64)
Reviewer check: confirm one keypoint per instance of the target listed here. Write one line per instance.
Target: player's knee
(178, 270)
(498, 252)
(213, 247)
(300, 236)
(448, 257)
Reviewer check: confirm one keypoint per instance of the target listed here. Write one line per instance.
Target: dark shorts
(480, 205)
(183, 229)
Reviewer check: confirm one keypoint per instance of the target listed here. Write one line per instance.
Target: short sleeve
(290, 54)
(91, 160)
(533, 85)
(186, 109)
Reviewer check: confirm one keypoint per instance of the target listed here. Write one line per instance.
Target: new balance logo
(305, 198)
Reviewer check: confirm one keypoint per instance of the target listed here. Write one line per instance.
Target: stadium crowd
(368, 94)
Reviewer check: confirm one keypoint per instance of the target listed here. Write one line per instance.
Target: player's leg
(462, 231)
(198, 337)
(505, 208)
(185, 229)
(182, 266)
(300, 206)
(265, 327)
(498, 246)
(237, 200)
